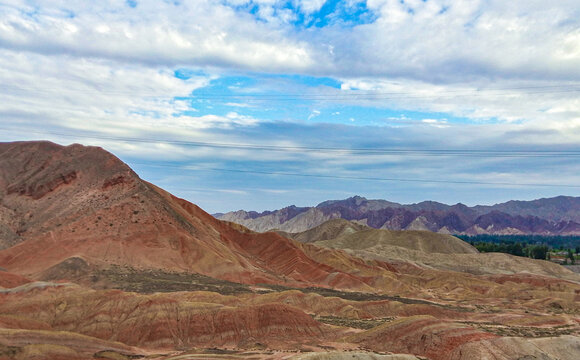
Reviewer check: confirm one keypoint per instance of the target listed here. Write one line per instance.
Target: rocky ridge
(554, 216)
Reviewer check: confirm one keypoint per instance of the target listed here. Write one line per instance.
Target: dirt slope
(441, 340)
(51, 313)
(153, 321)
(331, 229)
(9, 280)
(83, 202)
(347, 234)
(426, 249)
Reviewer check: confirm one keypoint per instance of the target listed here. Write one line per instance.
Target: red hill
(75, 201)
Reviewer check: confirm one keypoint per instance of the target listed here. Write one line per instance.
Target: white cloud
(239, 105)
(274, 191)
(203, 33)
(444, 41)
(100, 96)
(310, 6)
(423, 52)
(313, 114)
(232, 191)
(503, 73)
(435, 41)
(547, 105)
(440, 123)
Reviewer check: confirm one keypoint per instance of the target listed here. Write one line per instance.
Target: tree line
(533, 246)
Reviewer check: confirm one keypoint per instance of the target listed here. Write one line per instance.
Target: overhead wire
(348, 95)
(344, 95)
(343, 177)
(335, 150)
(434, 152)
(350, 151)
(370, 97)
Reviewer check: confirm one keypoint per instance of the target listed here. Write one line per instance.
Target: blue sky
(258, 105)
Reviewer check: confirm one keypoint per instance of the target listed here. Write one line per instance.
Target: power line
(435, 152)
(343, 95)
(277, 173)
(386, 96)
(335, 150)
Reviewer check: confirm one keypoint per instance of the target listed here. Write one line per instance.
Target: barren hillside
(98, 263)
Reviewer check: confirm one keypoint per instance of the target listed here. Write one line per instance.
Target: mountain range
(96, 263)
(553, 216)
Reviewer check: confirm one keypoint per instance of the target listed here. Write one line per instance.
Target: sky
(258, 105)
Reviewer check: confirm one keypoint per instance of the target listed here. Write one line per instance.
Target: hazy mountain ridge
(551, 216)
(560, 208)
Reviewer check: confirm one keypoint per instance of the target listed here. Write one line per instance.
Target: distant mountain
(560, 208)
(553, 216)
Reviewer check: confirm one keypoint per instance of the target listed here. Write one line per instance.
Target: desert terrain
(97, 263)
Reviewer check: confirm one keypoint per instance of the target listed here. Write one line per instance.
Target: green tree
(538, 252)
(517, 249)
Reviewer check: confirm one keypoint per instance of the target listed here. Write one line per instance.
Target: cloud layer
(147, 79)
(435, 40)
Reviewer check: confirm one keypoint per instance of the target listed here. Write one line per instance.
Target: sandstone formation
(83, 202)
(432, 250)
(99, 264)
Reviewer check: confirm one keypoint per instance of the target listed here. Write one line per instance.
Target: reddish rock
(9, 280)
(420, 335)
(82, 202)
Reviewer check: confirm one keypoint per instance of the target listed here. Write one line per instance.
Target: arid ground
(99, 264)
